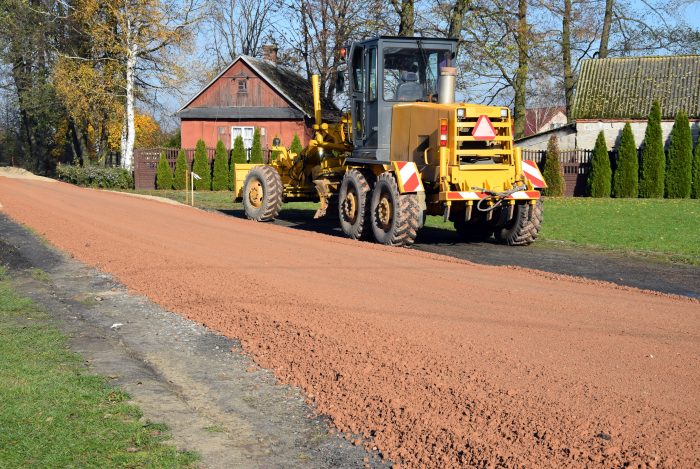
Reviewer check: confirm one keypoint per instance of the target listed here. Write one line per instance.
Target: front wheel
(395, 217)
(524, 228)
(353, 204)
(262, 193)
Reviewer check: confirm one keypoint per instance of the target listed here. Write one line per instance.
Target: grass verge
(55, 415)
(662, 229)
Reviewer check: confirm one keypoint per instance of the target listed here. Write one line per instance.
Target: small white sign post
(193, 176)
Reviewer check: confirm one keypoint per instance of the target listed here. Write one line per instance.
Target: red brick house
(252, 93)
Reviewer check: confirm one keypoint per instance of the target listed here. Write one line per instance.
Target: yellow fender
(407, 176)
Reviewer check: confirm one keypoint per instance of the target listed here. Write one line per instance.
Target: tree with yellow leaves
(134, 45)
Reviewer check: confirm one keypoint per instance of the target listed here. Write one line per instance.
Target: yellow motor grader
(406, 150)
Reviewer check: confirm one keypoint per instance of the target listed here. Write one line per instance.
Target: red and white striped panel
(533, 174)
(470, 195)
(408, 176)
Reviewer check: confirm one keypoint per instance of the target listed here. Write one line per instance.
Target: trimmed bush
(680, 159)
(239, 155)
(552, 173)
(95, 176)
(275, 154)
(626, 177)
(599, 179)
(256, 154)
(164, 177)
(201, 167)
(220, 181)
(651, 179)
(180, 171)
(296, 147)
(695, 192)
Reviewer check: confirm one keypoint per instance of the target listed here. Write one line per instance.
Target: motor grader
(405, 150)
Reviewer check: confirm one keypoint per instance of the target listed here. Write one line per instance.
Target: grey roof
(625, 88)
(240, 113)
(293, 87)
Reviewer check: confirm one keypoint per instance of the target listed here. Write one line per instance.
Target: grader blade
(324, 194)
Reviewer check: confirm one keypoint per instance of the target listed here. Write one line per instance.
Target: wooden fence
(146, 163)
(575, 164)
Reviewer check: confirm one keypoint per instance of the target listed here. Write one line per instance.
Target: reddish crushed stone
(437, 363)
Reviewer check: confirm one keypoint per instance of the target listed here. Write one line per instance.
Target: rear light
(443, 132)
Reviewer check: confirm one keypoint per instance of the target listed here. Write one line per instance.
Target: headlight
(460, 113)
(504, 112)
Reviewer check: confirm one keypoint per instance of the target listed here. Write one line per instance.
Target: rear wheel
(353, 204)
(395, 217)
(262, 193)
(524, 228)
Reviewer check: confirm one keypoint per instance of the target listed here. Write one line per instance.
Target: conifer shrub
(274, 154)
(695, 192)
(626, 177)
(220, 181)
(256, 154)
(680, 159)
(552, 172)
(239, 154)
(651, 179)
(599, 179)
(201, 167)
(164, 177)
(180, 171)
(296, 147)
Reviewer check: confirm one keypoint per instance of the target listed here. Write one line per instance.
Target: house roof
(625, 88)
(295, 89)
(535, 118)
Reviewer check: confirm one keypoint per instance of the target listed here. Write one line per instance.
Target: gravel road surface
(436, 361)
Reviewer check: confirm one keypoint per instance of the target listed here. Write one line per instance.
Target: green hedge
(164, 176)
(679, 161)
(600, 177)
(553, 175)
(653, 164)
(95, 176)
(626, 177)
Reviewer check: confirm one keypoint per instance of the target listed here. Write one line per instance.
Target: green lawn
(53, 414)
(663, 229)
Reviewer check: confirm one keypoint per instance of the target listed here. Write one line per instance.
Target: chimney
(270, 53)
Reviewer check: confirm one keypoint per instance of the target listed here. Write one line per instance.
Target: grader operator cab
(406, 150)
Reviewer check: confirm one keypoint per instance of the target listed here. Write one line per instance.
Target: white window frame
(242, 131)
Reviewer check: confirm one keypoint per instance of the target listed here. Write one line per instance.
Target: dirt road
(438, 361)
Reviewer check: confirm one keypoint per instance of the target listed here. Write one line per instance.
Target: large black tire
(395, 217)
(353, 204)
(524, 228)
(262, 193)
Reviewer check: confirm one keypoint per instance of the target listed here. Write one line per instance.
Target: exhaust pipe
(446, 85)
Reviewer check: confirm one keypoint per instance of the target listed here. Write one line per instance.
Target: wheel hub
(350, 206)
(255, 195)
(384, 212)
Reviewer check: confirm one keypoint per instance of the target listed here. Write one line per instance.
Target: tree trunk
(605, 36)
(407, 19)
(457, 20)
(566, 55)
(520, 88)
(130, 135)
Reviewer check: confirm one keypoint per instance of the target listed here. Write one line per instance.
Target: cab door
(358, 95)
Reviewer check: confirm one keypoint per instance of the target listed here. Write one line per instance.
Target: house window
(242, 85)
(247, 134)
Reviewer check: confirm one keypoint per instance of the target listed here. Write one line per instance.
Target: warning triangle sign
(483, 130)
